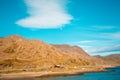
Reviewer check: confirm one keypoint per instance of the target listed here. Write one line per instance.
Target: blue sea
(114, 74)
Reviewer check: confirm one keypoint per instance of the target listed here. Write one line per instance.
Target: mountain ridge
(17, 52)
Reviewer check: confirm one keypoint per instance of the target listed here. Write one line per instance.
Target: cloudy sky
(93, 25)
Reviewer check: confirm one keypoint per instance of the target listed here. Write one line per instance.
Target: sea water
(114, 74)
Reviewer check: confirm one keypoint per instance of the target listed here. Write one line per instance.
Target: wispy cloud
(101, 47)
(45, 14)
(104, 27)
(84, 41)
(116, 35)
(110, 35)
(106, 49)
(85, 47)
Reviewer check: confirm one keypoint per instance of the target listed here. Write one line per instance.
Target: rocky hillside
(17, 52)
(72, 50)
(110, 60)
(113, 60)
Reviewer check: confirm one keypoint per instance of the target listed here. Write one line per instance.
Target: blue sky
(93, 25)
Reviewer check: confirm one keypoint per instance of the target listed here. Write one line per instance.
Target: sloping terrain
(110, 60)
(17, 52)
(72, 50)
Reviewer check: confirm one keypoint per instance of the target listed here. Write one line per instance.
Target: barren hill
(113, 60)
(17, 52)
(72, 50)
(110, 60)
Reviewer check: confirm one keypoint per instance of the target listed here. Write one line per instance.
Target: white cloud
(105, 49)
(85, 41)
(112, 36)
(100, 47)
(45, 14)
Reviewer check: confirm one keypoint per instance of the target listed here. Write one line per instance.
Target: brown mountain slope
(113, 60)
(110, 60)
(17, 52)
(72, 50)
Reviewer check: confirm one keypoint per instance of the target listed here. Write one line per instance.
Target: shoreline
(29, 75)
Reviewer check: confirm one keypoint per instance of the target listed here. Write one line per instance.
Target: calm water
(114, 75)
